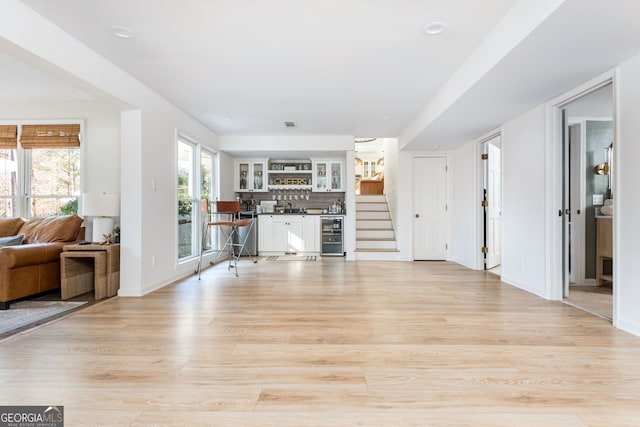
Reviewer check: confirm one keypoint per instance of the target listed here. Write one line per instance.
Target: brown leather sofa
(33, 267)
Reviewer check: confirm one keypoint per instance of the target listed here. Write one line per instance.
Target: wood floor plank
(329, 343)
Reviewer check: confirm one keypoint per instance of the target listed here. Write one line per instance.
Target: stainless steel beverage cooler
(251, 245)
(332, 240)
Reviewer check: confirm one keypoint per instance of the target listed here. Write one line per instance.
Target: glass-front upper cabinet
(328, 175)
(250, 175)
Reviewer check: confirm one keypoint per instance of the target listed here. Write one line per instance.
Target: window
(40, 175)
(196, 183)
(186, 200)
(8, 170)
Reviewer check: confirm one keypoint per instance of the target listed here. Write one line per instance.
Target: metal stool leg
(227, 244)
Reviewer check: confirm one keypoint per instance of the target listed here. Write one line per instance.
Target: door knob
(417, 215)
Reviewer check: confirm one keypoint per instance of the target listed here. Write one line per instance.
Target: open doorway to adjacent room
(492, 204)
(588, 144)
(369, 167)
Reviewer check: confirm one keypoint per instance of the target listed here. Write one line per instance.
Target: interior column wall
(626, 249)
(523, 202)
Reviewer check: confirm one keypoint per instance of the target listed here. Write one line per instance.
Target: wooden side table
(86, 267)
(604, 248)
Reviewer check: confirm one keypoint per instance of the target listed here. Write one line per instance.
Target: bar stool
(225, 218)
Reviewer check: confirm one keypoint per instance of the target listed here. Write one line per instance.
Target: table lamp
(102, 207)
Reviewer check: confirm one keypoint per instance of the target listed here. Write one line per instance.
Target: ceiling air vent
(289, 124)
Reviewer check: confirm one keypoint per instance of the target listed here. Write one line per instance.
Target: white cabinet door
(265, 233)
(250, 175)
(311, 224)
(295, 234)
(328, 175)
(280, 233)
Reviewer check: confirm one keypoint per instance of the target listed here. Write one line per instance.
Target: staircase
(375, 238)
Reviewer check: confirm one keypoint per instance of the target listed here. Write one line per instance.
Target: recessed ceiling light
(434, 28)
(122, 32)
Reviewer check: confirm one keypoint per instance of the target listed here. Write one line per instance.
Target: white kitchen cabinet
(288, 234)
(328, 175)
(250, 175)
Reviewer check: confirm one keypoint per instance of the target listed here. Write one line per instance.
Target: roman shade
(8, 137)
(50, 136)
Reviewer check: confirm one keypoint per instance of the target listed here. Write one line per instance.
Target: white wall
(396, 179)
(626, 250)
(227, 175)
(464, 246)
(391, 173)
(160, 123)
(523, 202)
(403, 212)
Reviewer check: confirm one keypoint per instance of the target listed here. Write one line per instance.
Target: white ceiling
(356, 67)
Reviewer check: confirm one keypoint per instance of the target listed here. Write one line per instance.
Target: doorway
(369, 166)
(587, 195)
(492, 204)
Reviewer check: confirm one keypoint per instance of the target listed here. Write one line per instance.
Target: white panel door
(430, 208)
(494, 200)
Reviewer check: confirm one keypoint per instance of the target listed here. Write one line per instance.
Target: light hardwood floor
(293, 343)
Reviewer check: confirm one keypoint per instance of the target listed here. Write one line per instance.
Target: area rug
(25, 313)
(293, 258)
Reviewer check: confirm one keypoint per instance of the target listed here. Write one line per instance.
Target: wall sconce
(102, 207)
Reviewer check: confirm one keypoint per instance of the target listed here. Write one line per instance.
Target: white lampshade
(102, 207)
(100, 204)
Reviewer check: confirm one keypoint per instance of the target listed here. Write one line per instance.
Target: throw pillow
(10, 226)
(11, 240)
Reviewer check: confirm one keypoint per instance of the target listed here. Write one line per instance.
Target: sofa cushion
(51, 229)
(11, 240)
(10, 226)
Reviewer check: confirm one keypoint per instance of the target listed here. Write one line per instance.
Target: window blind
(50, 136)
(8, 137)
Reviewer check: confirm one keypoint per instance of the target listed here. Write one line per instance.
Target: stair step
(365, 207)
(371, 198)
(377, 224)
(372, 215)
(377, 255)
(376, 244)
(375, 233)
